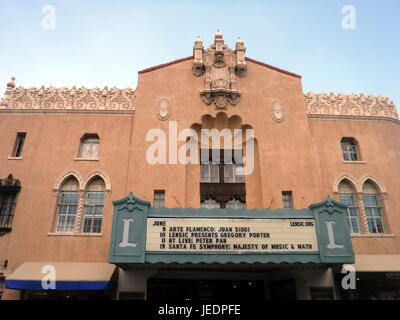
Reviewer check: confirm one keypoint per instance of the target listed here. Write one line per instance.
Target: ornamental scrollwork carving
(220, 65)
(68, 98)
(9, 182)
(350, 105)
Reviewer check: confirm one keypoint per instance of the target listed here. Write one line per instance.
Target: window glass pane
(353, 212)
(69, 197)
(228, 173)
(95, 150)
(371, 225)
(355, 226)
(63, 209)
(347, 199)
(287, 200)
(205, 173)
(95, 198)
(98, 211)
(61, 223)
(370, 200)
(70, 222)
(88, 210)
(72, 210)
(377, 212)
(349, 150)
(97, 225)
(87, 225)
(159, 199)
(371, 212)
(67, 208)
(214, 168)
(86, 150)
(379, 225)
(19, 144)
(94, 201)
(239, 173)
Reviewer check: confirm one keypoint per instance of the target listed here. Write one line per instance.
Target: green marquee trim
(333, 234)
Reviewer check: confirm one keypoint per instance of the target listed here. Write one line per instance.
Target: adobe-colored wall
(50, 148)
(278, 143)
(380, 152)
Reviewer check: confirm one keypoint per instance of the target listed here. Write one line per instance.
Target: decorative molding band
(68, 112)
(68, 99)
(351, 118)
(350, 105)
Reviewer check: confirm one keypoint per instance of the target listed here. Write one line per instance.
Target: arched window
(93, 208)
(350, 149)
(347, 196)
(89, 147)
(68, 199)
(373, 207)
(235, 204)
(210, 203)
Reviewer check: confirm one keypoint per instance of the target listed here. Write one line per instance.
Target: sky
(95, 43)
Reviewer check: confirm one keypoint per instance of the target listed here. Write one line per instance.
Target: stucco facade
(298, 152)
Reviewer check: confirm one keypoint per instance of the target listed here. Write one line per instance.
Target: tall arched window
(68, 199)
(373, 207)
(347, 196)
(93, 208)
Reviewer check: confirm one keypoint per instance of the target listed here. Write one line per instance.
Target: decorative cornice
(10, 182)
(74, 99)
(350, 105)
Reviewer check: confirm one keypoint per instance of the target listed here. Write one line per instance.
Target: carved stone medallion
(278, 110)
(163, 109)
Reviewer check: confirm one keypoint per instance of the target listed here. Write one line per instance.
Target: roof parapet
(350, 105)
(82, 98)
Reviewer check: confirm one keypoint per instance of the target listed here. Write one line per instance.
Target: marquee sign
(144, 234)
(231, 235)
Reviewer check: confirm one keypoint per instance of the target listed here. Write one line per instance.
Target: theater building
(100, 198)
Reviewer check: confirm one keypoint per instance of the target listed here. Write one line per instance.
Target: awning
(376, 263)
(68, 276)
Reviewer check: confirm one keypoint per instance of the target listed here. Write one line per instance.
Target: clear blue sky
(99, 42)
